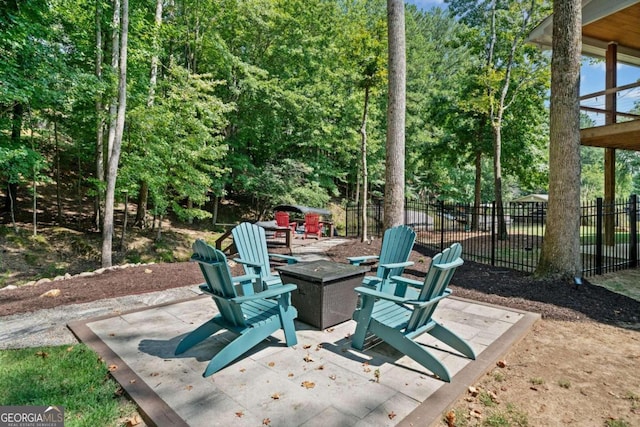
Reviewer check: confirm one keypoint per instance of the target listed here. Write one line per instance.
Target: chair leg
(236, 348)
(286, 315)
(363, 318)
(452, 340)
(198, 335)
(412, 349)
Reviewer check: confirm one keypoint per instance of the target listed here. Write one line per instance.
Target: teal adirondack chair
(397, 244)
(398, 320)
(252, 316)
(251, 243)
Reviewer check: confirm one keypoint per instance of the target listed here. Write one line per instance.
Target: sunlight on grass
(71, 376)
(625, 282)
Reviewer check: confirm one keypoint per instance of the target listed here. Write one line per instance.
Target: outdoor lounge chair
(252, 316)
(397, 244)
(400, 319)
(282, 220)
(251, 243)
(312, 225)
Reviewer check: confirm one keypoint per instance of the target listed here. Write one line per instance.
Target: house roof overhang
(603, 22)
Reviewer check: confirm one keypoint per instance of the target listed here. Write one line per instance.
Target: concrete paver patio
(320, 381)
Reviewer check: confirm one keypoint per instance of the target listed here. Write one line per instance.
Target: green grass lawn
(71, 376)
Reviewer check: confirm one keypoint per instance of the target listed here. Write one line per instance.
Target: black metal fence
(440, 224)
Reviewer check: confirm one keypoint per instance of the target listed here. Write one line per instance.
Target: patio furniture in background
(282, 220)
(397, 244)
(399, 320)
(252, 316)
(251, 243)
(312, 225)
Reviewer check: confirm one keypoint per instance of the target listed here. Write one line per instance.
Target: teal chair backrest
(251, 243)
(441, 270)
(214, 267)
(397, 244)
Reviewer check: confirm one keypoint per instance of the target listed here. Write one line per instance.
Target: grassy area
(71, 376)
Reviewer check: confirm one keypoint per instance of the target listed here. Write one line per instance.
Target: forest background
(256, 103)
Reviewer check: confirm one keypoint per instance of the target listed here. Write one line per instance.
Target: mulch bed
(559, 300)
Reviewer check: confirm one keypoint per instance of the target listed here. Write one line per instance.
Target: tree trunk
(501, 232)
(477, 192)
(58, 178)
(112, 170)
(560, 256)
(124, 222)
(141, 212)
(100, 123)
(365, 175)
(394, 177)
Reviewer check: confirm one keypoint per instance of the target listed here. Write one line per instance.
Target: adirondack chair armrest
(432, 301)
(382, 295)
(449, 265)
(290, 259)
(357, 260)
(249, 263)
(269, 293)
(245, 278)
(391, 266)
(413, 283)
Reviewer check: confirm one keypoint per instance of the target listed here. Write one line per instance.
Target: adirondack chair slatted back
(397, 244)
(213, 264)
(252, 318)
(312, 224)
(435, 284)
(251, 242)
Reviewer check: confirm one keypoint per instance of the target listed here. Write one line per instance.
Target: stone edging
(68, 276)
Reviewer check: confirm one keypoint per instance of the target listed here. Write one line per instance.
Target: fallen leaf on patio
(242, 369)
(42, 354)
(189, 387)
(112, 368)
(451, 419)
(112, 334)
(306, 346)
(330, 329)
(100, 360)
(308, 358)
(290, 374)
(319, 347)
(266, 422)
(476, 413)
(376, 374)
(501, 363)
(320, 368)
(367, 369)
(332, 377)
(391, 415)
(134, 421)
(308, 384)
(119, 391)
(271, 364)
(132, 381)
(239, 414)
(275, 396)
(154, 374)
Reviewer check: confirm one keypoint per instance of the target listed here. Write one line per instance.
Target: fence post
(493, 233)
(633, 231)
(599, 241)
(441, 225)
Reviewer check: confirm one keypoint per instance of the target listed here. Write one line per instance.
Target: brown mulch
(558, 300)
